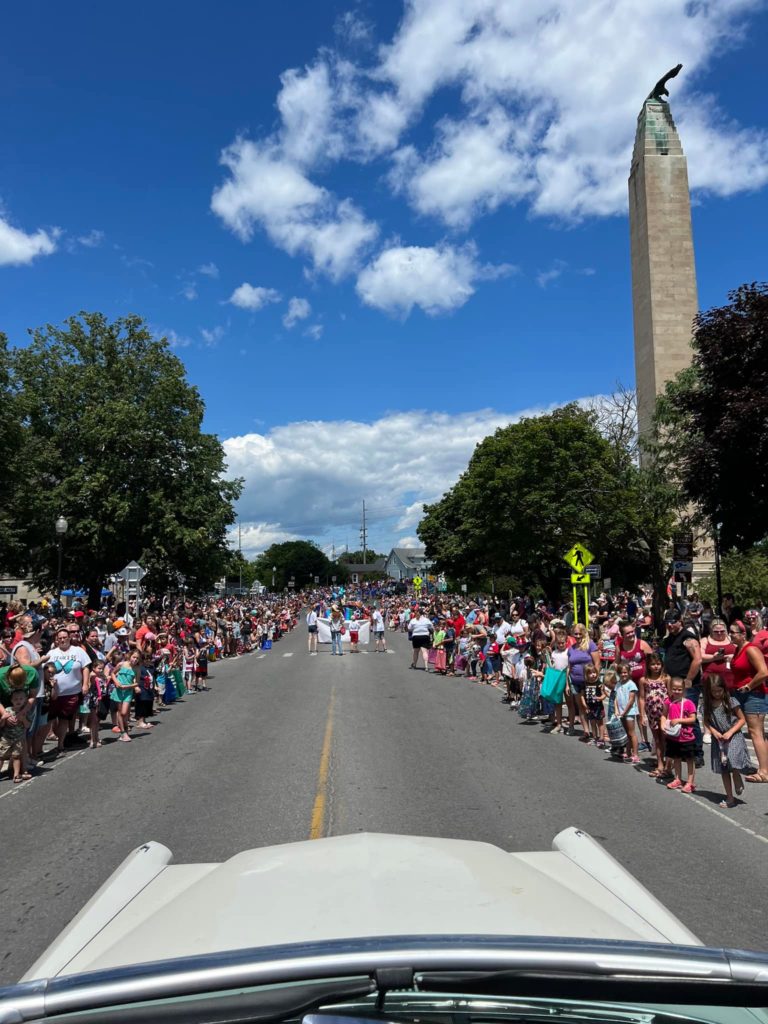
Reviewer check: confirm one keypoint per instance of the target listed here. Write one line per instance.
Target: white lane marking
(288, 654)
(59, 765)
(725, 817)
(260, 656)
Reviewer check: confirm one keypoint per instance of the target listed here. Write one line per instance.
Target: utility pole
(364, 535)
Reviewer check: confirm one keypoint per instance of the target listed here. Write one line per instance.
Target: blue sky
(426, 206)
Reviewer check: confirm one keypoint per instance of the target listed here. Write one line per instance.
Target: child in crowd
(510, 656)
(13, 729)
(559, 659)
(725, 719)
(678, 711)
(593, 698)
(617, 736)
(438, 644)
(96, 689)
(653, 690)
(354, 635)
(201, 667)
(627, 710)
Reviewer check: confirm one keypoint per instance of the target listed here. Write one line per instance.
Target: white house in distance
(405, 563)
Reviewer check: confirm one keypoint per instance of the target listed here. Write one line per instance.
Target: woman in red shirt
(749, 688)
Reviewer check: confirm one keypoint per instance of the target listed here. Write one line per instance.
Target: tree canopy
(109, 435)
(300, 559)
(713, 419)
(535, 487)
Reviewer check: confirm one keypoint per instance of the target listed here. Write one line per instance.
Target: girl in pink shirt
(680, 747)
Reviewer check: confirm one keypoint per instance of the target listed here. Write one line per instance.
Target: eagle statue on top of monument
(660, 90)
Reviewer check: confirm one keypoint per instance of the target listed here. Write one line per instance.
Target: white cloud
(556, 116)
(475, 166)
(548, 96)
(545, 277)
(438, 279)
(253, 297)
(208, 270)
(307, 479)
(411, 541)
(267, 189)
(174, 339)
(298, 309)
(92, 240)
(314, 331)
(213, 335)
(189, 291)
(18, 248)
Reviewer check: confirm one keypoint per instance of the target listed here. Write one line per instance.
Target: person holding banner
(338, 628)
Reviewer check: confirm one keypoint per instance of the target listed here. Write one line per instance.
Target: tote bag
(553, 685)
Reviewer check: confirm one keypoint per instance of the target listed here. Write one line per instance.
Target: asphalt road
(285, 747)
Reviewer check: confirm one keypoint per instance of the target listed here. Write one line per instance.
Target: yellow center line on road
(318, 810)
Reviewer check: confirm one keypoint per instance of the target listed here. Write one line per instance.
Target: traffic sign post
(132, 575)
(580, 559)
(417, 581)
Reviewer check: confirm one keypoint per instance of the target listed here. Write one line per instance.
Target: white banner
(324, 631)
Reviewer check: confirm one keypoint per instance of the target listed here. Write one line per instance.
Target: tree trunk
(94, 594)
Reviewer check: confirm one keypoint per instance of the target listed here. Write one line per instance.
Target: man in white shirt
(501, 628)
(71, 680)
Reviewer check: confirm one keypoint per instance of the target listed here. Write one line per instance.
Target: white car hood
(356, 886)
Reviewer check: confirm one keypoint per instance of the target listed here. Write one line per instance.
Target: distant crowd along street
(92, 676)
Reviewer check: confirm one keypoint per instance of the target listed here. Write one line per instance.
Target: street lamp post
(274, 570)
(61, 525)
(718, 576)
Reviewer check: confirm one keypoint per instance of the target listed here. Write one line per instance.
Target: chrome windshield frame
(350, 957)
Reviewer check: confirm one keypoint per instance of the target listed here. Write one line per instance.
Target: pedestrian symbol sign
(417, 581)
(578, 557)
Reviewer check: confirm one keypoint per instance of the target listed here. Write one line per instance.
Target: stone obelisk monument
(663, 272)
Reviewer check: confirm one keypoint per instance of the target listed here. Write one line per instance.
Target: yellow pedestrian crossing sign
(417, 581)
(579, 557)
(581, 578)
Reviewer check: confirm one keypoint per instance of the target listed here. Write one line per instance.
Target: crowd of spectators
(77, 676)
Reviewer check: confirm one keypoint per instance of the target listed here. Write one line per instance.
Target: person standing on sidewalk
(682, 660)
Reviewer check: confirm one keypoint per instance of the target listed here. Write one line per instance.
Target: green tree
(744, 573)
(300, 559)
(13, 553)
(356, 557)
(534, 488)
(112, 439)
(713, 419)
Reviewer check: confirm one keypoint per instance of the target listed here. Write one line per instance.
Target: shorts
(36, 717)
(379, 634)
(685, 749)
(65, 707)
(11, 748)
(752, 703)
(420, 641)
(576, 687)
(354, 636)
(312, 629)
(121, 695)
(144, 708)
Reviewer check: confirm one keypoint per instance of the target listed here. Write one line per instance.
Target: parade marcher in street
(420, 630)
(338, 628)
(312, 631)
(750, 676)
(682, 660)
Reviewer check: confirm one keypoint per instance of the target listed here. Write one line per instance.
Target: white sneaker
(707, 737)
